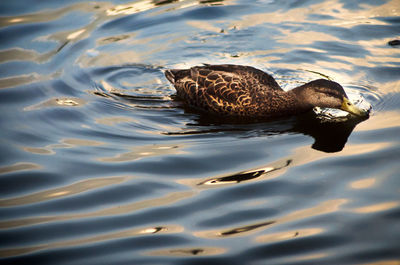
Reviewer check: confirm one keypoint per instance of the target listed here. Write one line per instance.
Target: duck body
(247, 92)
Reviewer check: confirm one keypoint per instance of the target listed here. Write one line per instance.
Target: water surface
(101, 163)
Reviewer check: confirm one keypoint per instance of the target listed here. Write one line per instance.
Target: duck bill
(351, 108)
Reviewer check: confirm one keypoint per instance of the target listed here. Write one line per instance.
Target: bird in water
(246, 92)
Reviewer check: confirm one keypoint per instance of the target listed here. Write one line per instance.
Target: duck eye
(348, 104)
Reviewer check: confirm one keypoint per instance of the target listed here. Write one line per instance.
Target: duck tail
(173, 75)
(170, 75)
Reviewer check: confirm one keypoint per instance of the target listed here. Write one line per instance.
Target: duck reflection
(330, 135)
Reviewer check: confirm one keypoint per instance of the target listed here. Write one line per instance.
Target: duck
(229, 90)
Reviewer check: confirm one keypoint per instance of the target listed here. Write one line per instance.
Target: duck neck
(301, 101)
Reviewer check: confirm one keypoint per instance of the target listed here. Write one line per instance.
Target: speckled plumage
(244, 91)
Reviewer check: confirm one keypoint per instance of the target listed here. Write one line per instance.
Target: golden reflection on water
(287, 235)
(39, 150)
(363, 183)
(69, 190)
(382, 57)
(308, 257)
(204, 25)
(298, 37)
(385, 262)
(80, 142)
(379, 207)
(141, 152)
(19, 167)
(20, 54)
(75, 34)
(144, 5)
(305, 155)
(115, 38)
(320, 209)
(93, 239)
(24, 79)
(112, 58)
(389, 87)
(64, 143)
(131, 8)
(187, 252)
(111, 211)
(56, 102)
(381, 120)
(111, 121)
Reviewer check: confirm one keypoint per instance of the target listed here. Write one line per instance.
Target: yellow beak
(349, 107)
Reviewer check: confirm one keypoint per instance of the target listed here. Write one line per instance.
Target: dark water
(100, 164)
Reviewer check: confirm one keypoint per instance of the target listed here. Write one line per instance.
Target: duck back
(229, 90)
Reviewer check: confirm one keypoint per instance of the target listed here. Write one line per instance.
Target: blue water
(100, 163)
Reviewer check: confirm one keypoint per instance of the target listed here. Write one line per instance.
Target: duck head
(327, 94)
